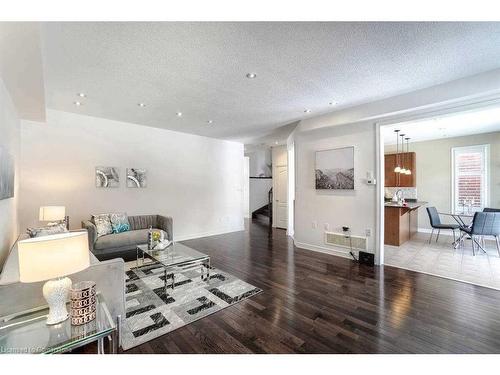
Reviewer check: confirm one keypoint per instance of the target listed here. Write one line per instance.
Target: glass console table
(27, 332)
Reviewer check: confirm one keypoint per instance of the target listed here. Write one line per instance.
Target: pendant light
(402, 170)
(408, 170)
(398, 168)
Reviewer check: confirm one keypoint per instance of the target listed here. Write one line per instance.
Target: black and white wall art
(107, 177)
(136, 178)
(6, 175)
(335, 169)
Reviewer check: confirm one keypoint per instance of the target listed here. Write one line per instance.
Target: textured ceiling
(199, 69)
(21, 68)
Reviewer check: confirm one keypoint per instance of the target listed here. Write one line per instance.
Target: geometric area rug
(151, 313)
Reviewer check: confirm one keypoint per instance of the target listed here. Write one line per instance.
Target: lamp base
(56, 294)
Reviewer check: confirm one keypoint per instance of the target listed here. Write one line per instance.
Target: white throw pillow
(103, 224)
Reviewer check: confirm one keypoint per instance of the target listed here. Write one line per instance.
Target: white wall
(196, 180)
(260, 160)
(246, 187)
(434, 181)
(9, 140)
(355, 209)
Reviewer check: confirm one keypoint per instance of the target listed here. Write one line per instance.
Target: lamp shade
(52, 213)
(49, 257)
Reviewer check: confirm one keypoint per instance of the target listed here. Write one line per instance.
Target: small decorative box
(83, 302)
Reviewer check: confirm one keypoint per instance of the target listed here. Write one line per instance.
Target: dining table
(463, 220)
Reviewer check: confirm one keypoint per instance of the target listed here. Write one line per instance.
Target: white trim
(379, 210)
(207, 234)
(441, 109)
(486, 191)
(326, 250)
(425, 230)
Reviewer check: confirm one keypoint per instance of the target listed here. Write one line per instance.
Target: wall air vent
(340, 239)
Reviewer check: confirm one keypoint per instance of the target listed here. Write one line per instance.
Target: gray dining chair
(435, 221)
(488, 209)
(483, 224)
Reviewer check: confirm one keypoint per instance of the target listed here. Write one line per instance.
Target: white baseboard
(340, 252)
(424, 230)
(208, 234)
(429, 231)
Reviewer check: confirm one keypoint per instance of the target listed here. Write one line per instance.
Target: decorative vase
(83, 302)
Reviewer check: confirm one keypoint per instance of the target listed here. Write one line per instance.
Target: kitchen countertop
(409, 205)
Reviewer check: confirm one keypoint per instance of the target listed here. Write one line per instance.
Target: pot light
(332, 103)
(82, 95)
(142, 105)
(209, 122)
(276, 142)
(307, 111)
(179, 114)
(251, 75)
(77, 103)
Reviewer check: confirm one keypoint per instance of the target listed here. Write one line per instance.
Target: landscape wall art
(335, 169)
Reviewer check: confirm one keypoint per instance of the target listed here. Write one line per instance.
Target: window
(470, 178)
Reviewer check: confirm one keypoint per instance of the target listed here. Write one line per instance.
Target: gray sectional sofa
(123, 245)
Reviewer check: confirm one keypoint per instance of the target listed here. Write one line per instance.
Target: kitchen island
(401, 222)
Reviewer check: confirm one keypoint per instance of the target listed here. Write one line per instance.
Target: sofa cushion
(119, 222)
(124, 239)
(103, 224)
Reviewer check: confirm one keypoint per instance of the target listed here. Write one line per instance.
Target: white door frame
(435, 110)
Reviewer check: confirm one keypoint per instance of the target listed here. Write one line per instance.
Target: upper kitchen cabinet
(397, 179)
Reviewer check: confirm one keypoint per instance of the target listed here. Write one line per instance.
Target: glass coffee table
(175, 258)
(27, 332)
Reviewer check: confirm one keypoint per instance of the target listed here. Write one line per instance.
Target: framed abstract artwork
(136, 178)
(107, 177)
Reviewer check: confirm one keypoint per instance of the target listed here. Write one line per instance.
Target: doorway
(281, 197)
(449, 156)
(280, 187)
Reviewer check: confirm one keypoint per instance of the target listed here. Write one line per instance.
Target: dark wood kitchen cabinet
(397, 179)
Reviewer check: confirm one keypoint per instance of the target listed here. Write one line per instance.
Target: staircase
(265, 213)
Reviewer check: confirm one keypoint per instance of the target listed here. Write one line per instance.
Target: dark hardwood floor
(316, 303)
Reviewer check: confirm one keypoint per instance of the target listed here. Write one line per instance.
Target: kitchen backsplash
(408, 192)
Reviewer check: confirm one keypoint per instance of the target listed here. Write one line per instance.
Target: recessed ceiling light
(307, 110)
(251, 75)
(276, 142)
(77, 103)
(209, 122)
(179, 114)
(332, 103)
(82, 95)
(141, 104)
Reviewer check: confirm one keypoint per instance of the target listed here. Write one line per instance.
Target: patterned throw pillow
(47, 231)
(103, 224)
(119, 222)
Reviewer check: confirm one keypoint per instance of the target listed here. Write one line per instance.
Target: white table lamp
(52, 213)
(52, 258)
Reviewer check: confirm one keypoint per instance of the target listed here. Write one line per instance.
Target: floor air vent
(340, 239)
